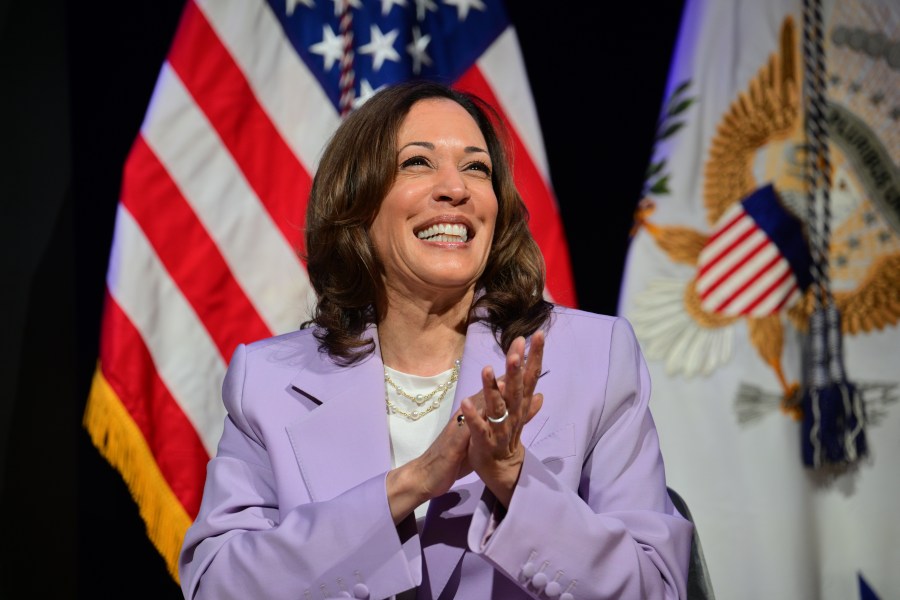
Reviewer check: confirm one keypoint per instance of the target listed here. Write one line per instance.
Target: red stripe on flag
(708, 263)
(726, 226)
(724, 304)
(220, 89)
(191, 257)
(749, 255)
(128, 367)
(545, 222)
(787, 296)
(769, 291)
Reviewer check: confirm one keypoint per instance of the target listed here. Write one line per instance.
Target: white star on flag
(463, 6)
(365, 92)
(381, 47)
(387, 5)
(416, 49)
(339, 5)
(330, 48)
(292, 4)
(422, 6)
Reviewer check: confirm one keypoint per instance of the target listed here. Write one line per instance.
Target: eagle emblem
(752, 264)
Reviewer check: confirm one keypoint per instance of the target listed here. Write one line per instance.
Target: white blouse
(409, 439)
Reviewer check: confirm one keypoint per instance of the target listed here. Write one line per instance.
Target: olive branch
(656, 180)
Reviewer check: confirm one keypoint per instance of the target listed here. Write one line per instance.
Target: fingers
(537, 401)
(513, 388)
(535, 362)
(488, 402)
(496, 415)
(522, 374)
(511, 395)
(495, 404)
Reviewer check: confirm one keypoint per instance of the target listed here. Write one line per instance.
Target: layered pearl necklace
(424, 403)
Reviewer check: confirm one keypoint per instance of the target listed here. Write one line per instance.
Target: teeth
(445, 232)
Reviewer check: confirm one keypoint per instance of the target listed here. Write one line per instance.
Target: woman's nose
(450, 187)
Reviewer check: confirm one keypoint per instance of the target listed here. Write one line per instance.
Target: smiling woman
(397, 446)
(433, 231)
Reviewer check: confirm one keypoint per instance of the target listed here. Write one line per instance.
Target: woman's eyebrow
(430, 146)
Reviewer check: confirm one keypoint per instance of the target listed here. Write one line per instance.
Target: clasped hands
(490, 448)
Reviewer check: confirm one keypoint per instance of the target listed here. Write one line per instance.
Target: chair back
(699, 583)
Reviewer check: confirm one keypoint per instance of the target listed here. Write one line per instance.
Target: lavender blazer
(295, 503)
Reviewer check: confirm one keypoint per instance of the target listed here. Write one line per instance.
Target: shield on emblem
(756, 259)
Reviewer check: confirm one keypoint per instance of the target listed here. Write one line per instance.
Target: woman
(429, 308)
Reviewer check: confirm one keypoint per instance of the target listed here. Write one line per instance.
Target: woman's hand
(431, 474)
(492, 449)
(495, 449)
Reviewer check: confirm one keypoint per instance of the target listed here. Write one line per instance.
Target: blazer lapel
(345, 440)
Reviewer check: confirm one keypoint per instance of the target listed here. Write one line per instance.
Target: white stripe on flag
(185, 356)
(719, 265)
(205, 172)
(727, 235)
(284, 87)
(504, 69)
(746, 272)
(777, 295)
(757, 289)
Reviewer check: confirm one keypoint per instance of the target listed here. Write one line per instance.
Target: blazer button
(360, 590)
(528, 570)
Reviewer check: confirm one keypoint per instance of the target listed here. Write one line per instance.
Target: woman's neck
(423, 338)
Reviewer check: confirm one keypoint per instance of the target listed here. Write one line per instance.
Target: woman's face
(434, 228)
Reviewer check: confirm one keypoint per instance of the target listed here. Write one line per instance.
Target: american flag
(210, 219)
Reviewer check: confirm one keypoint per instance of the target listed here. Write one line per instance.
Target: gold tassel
(121, 443)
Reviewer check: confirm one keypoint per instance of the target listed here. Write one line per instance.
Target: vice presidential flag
(210, 219)
(717, 285)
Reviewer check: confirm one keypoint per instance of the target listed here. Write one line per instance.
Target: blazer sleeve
(240, 546)
(618, 535)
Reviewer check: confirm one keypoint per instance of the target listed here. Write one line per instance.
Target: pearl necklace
(419, 399)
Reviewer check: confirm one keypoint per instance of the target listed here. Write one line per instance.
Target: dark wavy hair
(354, 175)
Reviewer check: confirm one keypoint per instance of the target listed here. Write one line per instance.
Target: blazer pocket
(556, 445)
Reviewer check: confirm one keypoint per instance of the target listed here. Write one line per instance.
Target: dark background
(75, 80)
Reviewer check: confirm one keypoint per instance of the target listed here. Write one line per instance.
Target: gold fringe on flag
(120, 441)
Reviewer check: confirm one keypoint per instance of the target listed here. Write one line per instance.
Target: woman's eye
(480, 166)
(414, 161)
